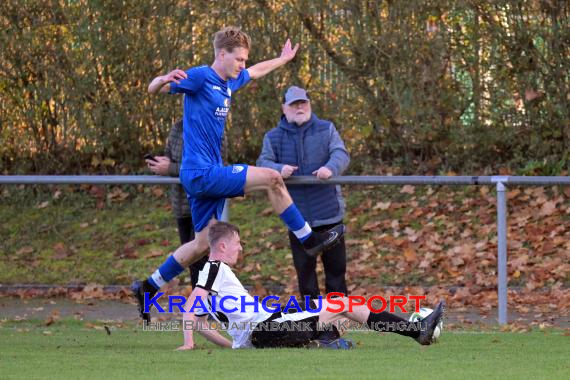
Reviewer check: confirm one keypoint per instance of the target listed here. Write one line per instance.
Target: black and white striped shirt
(219, 280)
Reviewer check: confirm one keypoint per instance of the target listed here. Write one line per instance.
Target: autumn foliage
(424, 86)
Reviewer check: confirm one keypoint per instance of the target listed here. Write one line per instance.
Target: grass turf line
(69, 349)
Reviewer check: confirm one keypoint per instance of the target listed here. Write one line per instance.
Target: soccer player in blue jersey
(207, 97)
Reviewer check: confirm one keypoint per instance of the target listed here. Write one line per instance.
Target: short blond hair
(221, 230)
(229, 38)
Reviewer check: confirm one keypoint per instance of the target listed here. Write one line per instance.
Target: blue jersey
(207, 99)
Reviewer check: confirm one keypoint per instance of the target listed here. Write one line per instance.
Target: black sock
(148, 288)
(387, 322)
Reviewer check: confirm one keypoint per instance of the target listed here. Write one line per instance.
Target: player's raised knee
(274, 180)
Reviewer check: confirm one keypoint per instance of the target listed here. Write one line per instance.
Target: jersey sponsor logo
(216, 88)
(221, 112)
(237, 169)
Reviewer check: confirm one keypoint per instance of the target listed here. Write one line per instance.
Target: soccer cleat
(325, 240)
(138, 293)
(426, 336)
(335, 344)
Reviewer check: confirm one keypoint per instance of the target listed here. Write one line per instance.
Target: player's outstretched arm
(265, 67)
(189, 319)
(162, 83)
(213, 336)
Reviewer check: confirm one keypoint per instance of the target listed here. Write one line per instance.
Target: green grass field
(77, 350)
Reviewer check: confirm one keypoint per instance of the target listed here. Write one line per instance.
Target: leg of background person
(305, 266)
(185, 229)
(186, 233)
(196, 249)
(334, 264)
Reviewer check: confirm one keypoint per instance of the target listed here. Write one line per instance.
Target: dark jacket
(309, 146)
(174, 145)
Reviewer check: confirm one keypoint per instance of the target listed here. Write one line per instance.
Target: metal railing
(500, 182)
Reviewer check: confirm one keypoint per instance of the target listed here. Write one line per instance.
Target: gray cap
(295, 94)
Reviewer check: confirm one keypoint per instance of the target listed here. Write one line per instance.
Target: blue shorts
(207, 190)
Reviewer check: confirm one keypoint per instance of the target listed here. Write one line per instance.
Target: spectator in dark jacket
(303, 144)
(169, 165)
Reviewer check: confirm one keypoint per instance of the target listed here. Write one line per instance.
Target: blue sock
(166, 272)
(296, 223)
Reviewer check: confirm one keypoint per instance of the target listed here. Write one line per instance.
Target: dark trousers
(334, 264)
(186, 233)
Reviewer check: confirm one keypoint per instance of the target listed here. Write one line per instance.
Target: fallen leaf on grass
(372, 225)
(43, 205)
(382, 206)
(424, 264)
(61, 251)
(52, 318)
(513, 194)
(117, 195)
(131, 255)
(165, 243)
(154, 253)
(157, 191)
(142, 242)
(127, 252)
(90, 325)
(548, 208)
(410, 255)
(25, 250)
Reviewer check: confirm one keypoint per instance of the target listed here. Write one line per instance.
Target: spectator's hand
(287, 171)
(288, 53)
(160, 166)
(323, 173)
(174, 76)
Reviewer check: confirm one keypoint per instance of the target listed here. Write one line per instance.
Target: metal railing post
(502, 249)
(226, 212)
